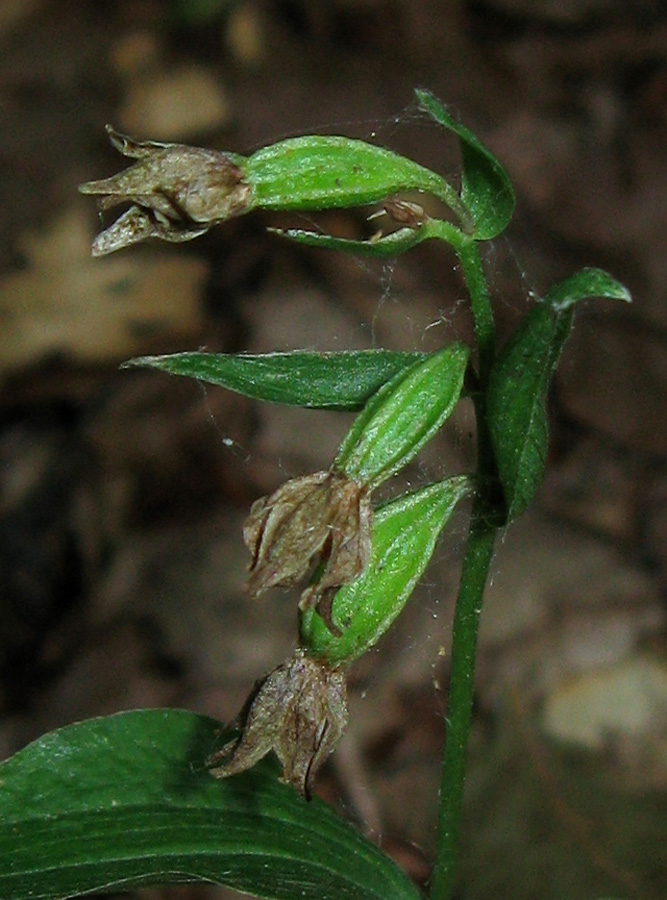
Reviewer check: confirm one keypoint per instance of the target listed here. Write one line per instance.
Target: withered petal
(133, 226)
(285, 530)
(325, 514)
(130, 147)
(300, 712)
(349, 552)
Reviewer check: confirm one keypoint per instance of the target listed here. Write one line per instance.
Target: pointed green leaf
(587, 283)
(516, 403)
(405, 532)
(326, 172)
(519, 381)
(386, 245)
(402, 416)
(486, 190)
(126, 800)
(338, 380)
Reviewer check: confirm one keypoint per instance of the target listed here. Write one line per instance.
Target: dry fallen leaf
(176, 104)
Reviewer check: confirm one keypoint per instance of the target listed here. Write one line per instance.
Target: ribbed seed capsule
(328, 171)
(402, 416)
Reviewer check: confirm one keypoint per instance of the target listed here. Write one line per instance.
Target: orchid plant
(158, 796)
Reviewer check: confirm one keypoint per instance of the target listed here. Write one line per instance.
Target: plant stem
(460, 696)
(485, 332)
(474, 573)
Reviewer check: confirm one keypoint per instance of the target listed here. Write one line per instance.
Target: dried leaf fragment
(300, 712)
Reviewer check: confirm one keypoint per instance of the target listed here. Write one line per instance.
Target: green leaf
(402, 416)
(587, 283)
(126, 800)
(519, 381)
(338, 380)
(516, 403)
(326, 172)
(386, 245)
(405, 532)
(486, 190)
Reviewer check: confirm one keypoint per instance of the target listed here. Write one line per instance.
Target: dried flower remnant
(325, 515)
(402, 212)
(177, 192)
(405, 212)
(300, 712)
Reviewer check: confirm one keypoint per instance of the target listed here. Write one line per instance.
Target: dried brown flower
(178, 192)
(300, 711)
(323, 517)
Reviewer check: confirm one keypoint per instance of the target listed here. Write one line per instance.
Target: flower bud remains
(178, 192)
(324, 517)
(300, 711)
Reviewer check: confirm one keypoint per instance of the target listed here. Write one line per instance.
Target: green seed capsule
(323, 172)
(404, 535)
(402, 416)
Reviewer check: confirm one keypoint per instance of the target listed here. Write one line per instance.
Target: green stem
(460, 697)
(474, 574)
(485, 332)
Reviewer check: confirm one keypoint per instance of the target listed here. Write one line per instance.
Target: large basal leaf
(126, 800)
(486, 189)
(519, 381)
(338, 380)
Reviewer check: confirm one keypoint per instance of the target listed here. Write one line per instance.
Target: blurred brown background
(122, 493)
